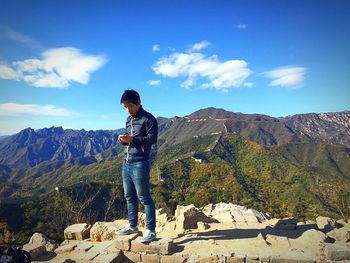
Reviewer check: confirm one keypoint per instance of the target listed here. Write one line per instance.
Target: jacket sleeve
(151, 133)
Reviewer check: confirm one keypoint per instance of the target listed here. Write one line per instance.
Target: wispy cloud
(156, 48)
(197, 67)
(10, 33)
(241, 26)
(15, 109)
(288, 76)
(154, 82)
(200, 45)
(6, 72)
(57, 68)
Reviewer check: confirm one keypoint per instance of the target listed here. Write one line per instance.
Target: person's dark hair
(130, 95)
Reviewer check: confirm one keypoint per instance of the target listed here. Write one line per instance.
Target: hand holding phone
(124, 138)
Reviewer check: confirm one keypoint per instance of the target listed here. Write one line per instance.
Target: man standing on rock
(141, 133)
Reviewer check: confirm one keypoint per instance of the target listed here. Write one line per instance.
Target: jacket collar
(139, 112)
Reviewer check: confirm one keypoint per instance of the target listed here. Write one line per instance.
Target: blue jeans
(136, 186)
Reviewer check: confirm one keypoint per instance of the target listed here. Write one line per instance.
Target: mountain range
(249, 154)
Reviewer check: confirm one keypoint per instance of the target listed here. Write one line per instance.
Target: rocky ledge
(215, 233)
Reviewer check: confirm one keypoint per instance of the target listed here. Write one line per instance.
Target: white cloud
(19, 37)
(154, 82)
(289, 76)
(156, 48)
(187, 84)
(200, 45)
(241, 26)
(248, 84)
(57, 68)
(197, 66)
(15, 109)
(7, 72)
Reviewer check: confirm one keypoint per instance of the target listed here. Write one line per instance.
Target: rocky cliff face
(29, 148)
(214, 233)
(332, 127)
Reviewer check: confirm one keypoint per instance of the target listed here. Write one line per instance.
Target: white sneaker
(148, 236)
(127, 230)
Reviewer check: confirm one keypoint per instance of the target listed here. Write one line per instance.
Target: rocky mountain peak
(50, 131)
(333, 127)
(216, 113)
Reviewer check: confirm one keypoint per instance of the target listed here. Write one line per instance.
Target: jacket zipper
(127, 147)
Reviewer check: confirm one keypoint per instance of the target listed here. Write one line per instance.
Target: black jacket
(144, 128)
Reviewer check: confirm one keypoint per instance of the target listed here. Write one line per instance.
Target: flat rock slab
(85, 257)
(109, 258)
(77, 231)
(286, 260)
(131, 256)
(124, 242)
(83, 247)
(92, 253)
(235, 259)
(209, 259)
(65, 248)
(176, 258)
(162, 246)
(337, 252)
(151, 258)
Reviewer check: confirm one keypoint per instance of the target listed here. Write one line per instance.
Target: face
(131, 108)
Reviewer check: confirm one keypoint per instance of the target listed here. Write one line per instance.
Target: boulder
(207, 210)
(325, 224)
(102, 231)
(40, 239)
(252, 216)
(202, 226)
(35, 250)
(341, 223)
(313, 235)
(225, 216)
(341, 235)
(120, 223)
(163, 216)
(311, 238)
(77, 232)
(228, 212)
(259, 216)
(238, 216)
(142, 219)
(187, 218)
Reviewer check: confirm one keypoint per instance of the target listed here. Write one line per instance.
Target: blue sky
(66, 63)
